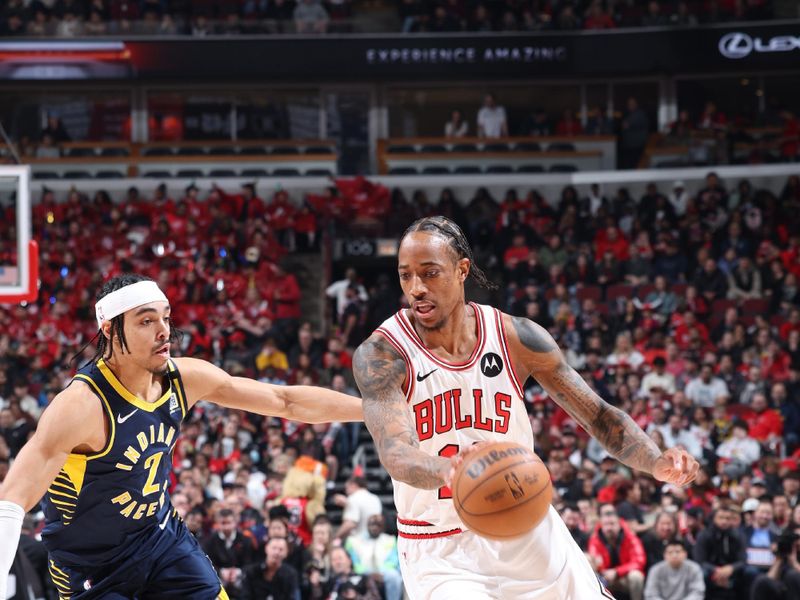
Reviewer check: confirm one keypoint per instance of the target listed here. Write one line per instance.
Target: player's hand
(676, 466)
(455, 461)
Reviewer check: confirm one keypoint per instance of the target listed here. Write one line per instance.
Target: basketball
(502, 490)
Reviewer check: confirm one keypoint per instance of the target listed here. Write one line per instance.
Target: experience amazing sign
(418, 58)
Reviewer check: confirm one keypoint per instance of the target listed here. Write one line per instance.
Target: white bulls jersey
(454, 406)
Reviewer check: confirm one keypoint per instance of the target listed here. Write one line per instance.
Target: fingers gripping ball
(502, 490)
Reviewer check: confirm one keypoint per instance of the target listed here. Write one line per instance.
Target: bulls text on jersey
(446, 411)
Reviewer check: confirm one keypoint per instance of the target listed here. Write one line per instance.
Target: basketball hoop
(32, 292)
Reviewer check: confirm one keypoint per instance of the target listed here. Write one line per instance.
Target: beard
(435, 327)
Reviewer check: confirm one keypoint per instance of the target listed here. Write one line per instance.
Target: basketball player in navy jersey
(101, 456)
(443, 375)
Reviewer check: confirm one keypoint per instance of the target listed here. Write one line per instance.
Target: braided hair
(444, 227)
(105, 346)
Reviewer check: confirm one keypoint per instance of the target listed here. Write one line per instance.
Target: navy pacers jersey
(102, 506)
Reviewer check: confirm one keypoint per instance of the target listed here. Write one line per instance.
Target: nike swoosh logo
(424, 377)
(121, 419)
(164, 523)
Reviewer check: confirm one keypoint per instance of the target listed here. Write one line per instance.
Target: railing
(437, 155)
(252, 158)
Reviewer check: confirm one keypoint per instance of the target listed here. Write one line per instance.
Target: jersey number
(152, 463)
(448, 451)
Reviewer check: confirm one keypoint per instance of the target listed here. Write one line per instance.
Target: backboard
(19, 257)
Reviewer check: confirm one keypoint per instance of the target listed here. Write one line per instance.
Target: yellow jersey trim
(222, 594)
(128, 396)
(178, 385)
(75, 468)
(112, 431)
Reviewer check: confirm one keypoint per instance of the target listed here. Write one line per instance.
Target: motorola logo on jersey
(491, 364)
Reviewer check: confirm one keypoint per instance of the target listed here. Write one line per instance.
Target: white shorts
(544, 565)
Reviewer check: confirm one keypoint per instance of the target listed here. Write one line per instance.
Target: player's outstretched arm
(308, 404)
(614, 429)
(74, 420)
(380, 372)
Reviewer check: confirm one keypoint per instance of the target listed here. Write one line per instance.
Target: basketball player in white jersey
(443, 375)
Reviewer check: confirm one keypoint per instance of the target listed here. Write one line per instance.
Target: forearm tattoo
(613, 428)
(379, 371)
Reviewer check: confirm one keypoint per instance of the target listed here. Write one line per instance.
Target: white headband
(124, 299)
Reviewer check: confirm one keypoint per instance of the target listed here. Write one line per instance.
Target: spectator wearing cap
(675, 577)
(706, 388)
(376, 555)
(679, 198)
(720, 552)
(758, 488)
(739, 448)
(759, 535)
(618, 554)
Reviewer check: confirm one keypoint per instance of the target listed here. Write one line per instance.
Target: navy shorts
(173, 567)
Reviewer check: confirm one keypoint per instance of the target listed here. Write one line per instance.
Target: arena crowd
(680, 308)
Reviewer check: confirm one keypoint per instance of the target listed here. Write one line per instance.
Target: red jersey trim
(428, 536)
(501, 334)
(409, 385)
(408, 329)
(414, 523)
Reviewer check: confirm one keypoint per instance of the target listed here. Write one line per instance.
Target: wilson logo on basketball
(477, 469)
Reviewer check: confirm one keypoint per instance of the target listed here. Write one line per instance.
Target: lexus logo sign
(737, 45)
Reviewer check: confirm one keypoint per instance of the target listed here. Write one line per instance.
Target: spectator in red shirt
(618, 553)
(280, 215)
(597, 18)
(516, 253)
(612, 240)
(305, 228)
(569, 125)
(285, 295)
(766, 424)
(792, 324)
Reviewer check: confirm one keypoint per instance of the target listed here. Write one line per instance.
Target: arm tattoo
(614, 429)
(531, 337)
(379, 372)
